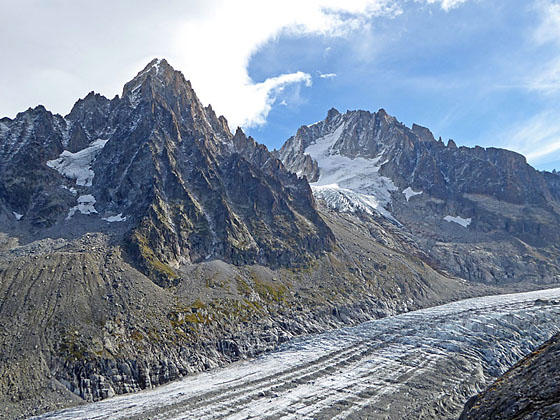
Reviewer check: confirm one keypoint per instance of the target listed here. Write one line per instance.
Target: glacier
(78, 165)
(420, 364)
(349, 184)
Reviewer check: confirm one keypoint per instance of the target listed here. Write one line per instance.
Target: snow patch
(409, 192)
(117, 218)
(156, 65)
(78, 165)
(85, 206)
(17, 215)
(72, 189)
(64, 126)
(349, 184)
(134, 97)
(459, 220)
(348, 201)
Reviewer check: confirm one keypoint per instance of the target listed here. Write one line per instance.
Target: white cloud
(547, 33)
(327, 75)
(239, 29)
(210, 41)
(447, 4)
(536, 138)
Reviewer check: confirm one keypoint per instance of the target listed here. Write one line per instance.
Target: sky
(478, 71)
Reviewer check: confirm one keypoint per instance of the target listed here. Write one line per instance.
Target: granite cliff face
(165, 168)
(482, 214)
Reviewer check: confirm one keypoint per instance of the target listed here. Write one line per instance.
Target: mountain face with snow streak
(347, 151)
(185, 187)
(475, 210)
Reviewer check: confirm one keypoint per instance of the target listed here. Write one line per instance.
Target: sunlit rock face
(476, 211)
(185, 187)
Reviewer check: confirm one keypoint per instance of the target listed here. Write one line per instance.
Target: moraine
(421, 364)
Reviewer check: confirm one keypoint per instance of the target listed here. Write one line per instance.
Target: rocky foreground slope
(418, 365)
(141, 240)
(529, 390)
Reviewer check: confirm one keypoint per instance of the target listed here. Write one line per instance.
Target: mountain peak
(423, 133)
(333, 112)
(158, 74)
(155, 67)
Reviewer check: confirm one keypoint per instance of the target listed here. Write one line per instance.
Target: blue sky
(478, 71)
(465, 73)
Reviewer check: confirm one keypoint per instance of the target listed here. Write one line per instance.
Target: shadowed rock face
(26, 183)
(188, 189)
(529, 390)
(475, 210)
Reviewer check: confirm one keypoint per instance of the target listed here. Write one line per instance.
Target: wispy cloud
(549, 29)
(327, 75)
(269, 90)
(547, 33)
(447, 4)
(547, 81)
(535, 138)
(211, 41)
(539, 137)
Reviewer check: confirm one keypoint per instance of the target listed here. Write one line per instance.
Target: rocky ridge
(481, 214)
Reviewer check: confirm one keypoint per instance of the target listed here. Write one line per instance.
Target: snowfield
(78, 165)
(347, 184)
(421, 364)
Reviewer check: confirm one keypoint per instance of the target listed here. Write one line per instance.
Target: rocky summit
(166, 168)
(141, 240)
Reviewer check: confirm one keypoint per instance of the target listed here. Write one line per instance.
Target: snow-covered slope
(78, 165)
(348, 184)
(348, 176)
